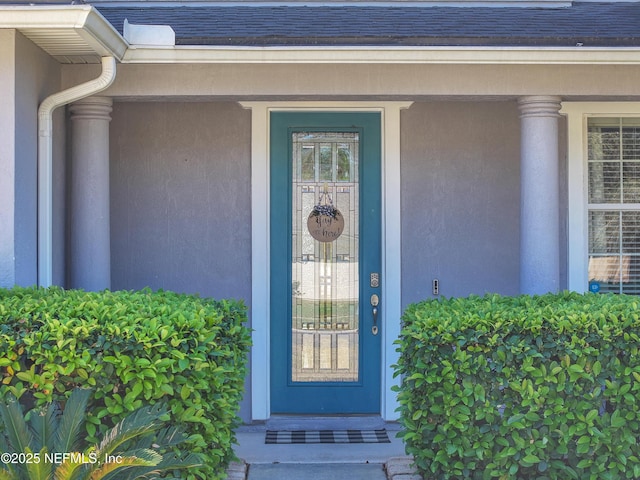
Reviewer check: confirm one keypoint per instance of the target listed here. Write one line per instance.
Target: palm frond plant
(46, 444)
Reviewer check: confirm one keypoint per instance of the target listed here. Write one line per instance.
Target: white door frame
(260, 250)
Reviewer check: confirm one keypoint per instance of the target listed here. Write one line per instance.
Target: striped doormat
(326, 436)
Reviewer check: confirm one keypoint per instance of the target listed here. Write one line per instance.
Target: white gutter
(142, 54)
(45, 161)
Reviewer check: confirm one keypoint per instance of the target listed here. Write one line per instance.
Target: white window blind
(614, 204)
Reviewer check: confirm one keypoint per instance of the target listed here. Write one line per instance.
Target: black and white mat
(326, 436)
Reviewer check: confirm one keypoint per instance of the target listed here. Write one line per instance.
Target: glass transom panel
(325, 275)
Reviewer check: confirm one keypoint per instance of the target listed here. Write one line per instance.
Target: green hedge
(131, 349)
(544, 387)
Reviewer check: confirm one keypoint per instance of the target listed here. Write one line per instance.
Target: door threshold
(325, 422)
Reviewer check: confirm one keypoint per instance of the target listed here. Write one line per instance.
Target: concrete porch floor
(319, 461)
(253, 450)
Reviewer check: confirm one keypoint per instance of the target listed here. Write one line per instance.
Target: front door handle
(375, 301)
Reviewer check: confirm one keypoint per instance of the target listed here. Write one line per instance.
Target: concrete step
(351, 461)
(316, 471)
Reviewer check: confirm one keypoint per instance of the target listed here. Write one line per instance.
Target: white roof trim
(69, 33)
(386, 55)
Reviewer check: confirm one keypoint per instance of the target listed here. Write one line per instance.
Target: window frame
(578, 115)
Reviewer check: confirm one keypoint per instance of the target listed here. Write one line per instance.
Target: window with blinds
(614, 205)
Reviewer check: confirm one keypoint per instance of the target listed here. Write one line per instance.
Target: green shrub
(44, 444)
(544, 387)
(131, 349)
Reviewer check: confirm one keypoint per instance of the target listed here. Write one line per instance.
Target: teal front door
(325, 262)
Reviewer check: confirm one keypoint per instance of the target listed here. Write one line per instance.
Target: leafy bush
(544, 387)
(46, 445)
(130, 348)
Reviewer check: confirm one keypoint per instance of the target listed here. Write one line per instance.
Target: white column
(90, 252)
(539, 195)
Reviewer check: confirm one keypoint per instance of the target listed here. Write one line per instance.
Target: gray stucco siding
(28, 76)
(180, 198)
(460, 198)
(7, 159)
(37, 76)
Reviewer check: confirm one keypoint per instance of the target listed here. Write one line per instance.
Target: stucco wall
(37, 76)
(180, 189)
(27, 77)
(7, 162)
(461, 199)
(366, 81)
(181, 199)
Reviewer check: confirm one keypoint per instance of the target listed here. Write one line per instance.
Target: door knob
(375, 300)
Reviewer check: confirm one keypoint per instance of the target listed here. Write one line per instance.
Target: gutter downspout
(45, 161)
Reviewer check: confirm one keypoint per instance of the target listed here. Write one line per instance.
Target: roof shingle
(590, 24)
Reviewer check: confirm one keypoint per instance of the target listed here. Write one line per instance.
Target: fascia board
(387, 55)
(85, 20)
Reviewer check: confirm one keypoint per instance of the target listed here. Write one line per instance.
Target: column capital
(540, 106)
(92, 108)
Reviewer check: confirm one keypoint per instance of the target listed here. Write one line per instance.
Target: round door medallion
(325, 223)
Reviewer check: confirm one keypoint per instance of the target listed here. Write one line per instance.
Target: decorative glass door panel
(325, 239)
(325, 277)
